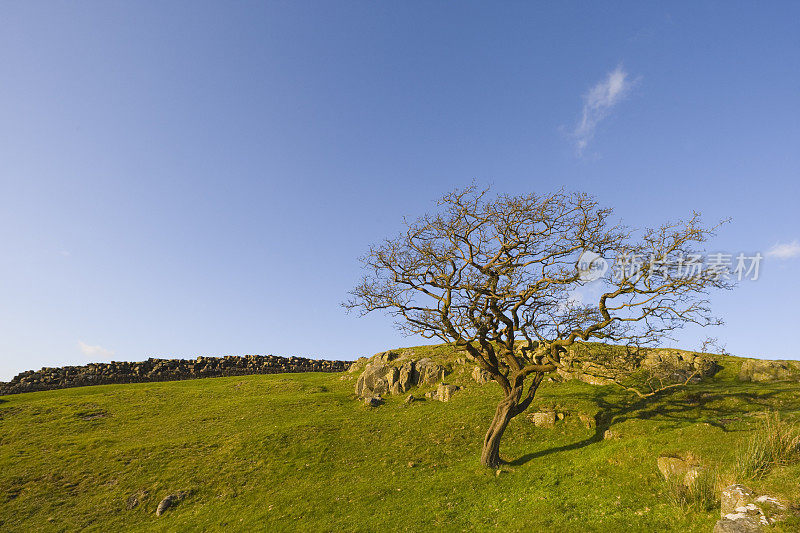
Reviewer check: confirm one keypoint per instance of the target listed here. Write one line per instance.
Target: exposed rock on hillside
(665, 366)
(390, 373)
(163, 370)
(398, 371)
(763, 371)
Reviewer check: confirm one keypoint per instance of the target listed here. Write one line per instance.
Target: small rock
(412, 464)
(498, 472)
(409, 399)
(168, 502)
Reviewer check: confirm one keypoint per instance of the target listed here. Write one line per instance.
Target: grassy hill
(297, 451)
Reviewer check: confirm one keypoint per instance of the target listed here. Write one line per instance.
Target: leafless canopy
(501, 278)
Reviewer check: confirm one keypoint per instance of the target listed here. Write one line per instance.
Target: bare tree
(498, 277)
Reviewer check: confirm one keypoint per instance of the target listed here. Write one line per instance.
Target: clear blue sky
(186, 178)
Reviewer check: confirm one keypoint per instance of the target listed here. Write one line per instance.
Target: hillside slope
(297, 451)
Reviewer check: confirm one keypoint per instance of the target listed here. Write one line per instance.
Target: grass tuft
(700, 493)
(776, 442)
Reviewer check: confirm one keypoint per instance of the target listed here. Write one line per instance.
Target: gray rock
(744, 524)
(408, 376)
(733, 497)
(169, 501)
(429, 372)
(392, 376)
(444, 392)
(373, 380)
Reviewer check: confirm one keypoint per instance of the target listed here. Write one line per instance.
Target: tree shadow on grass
(674, 405)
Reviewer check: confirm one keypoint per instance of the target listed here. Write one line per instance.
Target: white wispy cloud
(95, 351)
(785, 250)
(598, 103)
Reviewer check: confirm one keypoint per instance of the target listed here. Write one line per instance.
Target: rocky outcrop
(679, 366)
(743, 511)
(388, 373)
(764, 371)
(163, 370)
(665, 366)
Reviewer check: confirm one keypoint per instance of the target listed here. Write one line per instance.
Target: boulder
(444, 392)
(372, 380)
(610, 435)
(735, 496)
(742, 509)
(169, 501)
(685, 467)
(738, 524)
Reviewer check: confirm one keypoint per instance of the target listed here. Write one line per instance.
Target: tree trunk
(490, 456)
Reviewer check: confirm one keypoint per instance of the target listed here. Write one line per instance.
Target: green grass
(775, 442)
(297, 452)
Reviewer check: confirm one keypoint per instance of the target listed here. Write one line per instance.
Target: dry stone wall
(163, 370)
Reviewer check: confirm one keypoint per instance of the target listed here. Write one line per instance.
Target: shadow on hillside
(681, 409)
